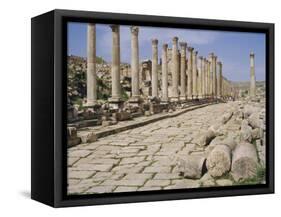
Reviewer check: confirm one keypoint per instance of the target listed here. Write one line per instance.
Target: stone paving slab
(102, 131)
(142, 158)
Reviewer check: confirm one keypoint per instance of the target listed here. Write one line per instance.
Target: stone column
(200, 75)
(189, 73)
(252, 74)
(183, 71)
(219, 89)
(135, 65)
(91, 66)
(175, 71)
(179, 68)
(164, 74)
(194, 76)
(154, 68)
(206, 78)
(115, 100)
(214, 65)
(211, 74)
(223, 87)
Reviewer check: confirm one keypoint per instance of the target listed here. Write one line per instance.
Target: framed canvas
(134, 108)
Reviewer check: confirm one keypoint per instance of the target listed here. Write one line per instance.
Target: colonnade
(198, 79)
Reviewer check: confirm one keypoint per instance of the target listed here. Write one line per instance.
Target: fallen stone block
(122, 116)
(257, 133)
(230, 140)
(72, 138)
(205, 138)
(244, 161)
(245, 132)
(147, 113)
(224, 182)
(226, 117)
(71, 132)
(87, 137)
(261, 152)
(255, 121)
(192, 166)
(219, 161)
(248, 110)
(73, 142)
(105, 123)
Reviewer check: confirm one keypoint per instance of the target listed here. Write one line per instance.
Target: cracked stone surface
(142, 159)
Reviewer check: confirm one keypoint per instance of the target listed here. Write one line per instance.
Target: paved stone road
(143, 158)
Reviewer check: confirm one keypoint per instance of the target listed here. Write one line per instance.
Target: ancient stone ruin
(228, 149)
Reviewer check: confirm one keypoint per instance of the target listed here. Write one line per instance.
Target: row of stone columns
(195, 82)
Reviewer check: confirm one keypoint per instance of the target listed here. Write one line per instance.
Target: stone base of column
(135, 101)
(115, 103)
(164, 101)
(195, 97)
(183, 98)
(92, 105)
(174, 99)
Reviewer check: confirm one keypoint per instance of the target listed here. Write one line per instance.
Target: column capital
(154, 41)
(215, 57)
(183, 45)
(91, 24)
(200, 57)
(190, 49)
(211, 55)
(252, 54)
(134, 30)
(195, 53)
(114, 27)
(219, 63)
(165, 46)
(175, 40)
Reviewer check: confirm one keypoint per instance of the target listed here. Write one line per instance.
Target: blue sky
(232, 48)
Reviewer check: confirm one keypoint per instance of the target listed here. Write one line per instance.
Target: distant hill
(99, 60)
(244, 85)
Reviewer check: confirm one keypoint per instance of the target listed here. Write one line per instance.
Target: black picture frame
(48, 69)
